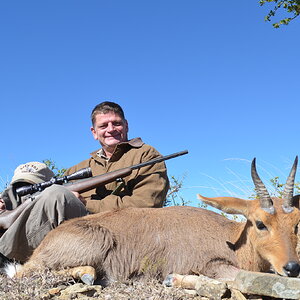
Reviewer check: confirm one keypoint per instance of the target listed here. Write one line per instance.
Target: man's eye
(117, 123)
(260, 225)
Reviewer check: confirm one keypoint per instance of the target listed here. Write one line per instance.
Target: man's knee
(57, 192)
(59, 198)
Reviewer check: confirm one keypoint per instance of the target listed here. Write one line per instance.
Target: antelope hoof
(86, 274)
(87, 279)
(169, 280)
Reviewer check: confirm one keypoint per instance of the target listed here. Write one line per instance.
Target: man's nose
(110, 127)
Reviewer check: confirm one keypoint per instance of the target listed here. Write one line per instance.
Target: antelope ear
(229, 205)
(295, 201)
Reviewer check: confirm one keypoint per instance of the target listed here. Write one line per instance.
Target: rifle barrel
(158, 159)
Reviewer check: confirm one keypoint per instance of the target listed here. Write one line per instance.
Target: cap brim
(27, 178)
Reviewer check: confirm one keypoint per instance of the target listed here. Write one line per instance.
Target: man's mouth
(115, 137)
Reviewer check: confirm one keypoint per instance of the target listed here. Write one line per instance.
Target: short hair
(106, 107)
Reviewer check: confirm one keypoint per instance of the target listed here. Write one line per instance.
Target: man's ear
(94, 133)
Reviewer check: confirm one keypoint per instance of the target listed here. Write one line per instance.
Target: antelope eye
(260, 225)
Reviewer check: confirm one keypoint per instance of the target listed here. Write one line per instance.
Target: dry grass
(49, 286)
(30, 288)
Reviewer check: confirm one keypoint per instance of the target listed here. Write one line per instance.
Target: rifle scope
(38, 187)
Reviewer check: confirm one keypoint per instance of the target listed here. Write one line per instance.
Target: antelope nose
(292, 269)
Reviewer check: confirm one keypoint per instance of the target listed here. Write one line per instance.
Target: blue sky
(207, 76)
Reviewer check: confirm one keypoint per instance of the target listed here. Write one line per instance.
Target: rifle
(84, 185)
(38, 187)
(81, 185)
(7, 217)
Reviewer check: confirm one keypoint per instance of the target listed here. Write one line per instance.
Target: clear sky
(207, 76)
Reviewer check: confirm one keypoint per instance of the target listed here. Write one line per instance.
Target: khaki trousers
(49, 209)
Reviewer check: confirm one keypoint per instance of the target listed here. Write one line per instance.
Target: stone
(237, 295)
(210, 288)
(204, 286)
(255, 283)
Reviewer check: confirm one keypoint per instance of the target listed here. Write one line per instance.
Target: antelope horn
(289, 187)
(266, 202)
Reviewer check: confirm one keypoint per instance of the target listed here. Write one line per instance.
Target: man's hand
(79, 197)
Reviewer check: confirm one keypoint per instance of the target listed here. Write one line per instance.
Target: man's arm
(7, 217)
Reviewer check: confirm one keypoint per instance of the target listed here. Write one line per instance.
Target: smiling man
(109, 127)
(144, 187)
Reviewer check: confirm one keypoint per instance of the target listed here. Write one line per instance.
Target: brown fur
(160, 241)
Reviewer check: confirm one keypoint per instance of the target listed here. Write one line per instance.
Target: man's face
(109, 129)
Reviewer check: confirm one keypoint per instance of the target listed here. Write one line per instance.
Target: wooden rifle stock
(87, 184)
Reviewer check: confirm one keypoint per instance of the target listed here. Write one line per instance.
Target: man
(144, 187)
(24, 221)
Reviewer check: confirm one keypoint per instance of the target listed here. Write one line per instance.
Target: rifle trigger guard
(119, 186)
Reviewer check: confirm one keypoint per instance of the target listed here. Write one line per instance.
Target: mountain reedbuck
(185, 240)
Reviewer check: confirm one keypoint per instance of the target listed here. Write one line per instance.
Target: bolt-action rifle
(82, 184)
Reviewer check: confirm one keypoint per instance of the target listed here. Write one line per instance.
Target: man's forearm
(7, 217)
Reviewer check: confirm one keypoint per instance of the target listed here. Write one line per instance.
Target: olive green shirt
(144, 187)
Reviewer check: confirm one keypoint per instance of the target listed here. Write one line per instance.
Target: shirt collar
(101, 154)
(135, 143)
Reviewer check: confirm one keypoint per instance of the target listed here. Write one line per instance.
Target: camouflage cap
(32, 172)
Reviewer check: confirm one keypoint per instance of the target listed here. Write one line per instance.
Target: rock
(74, 291)
(211, 288)
(237, 295)
(255, 283)
(54, 291)
(204, 286)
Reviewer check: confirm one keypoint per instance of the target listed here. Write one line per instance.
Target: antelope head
(273, 224)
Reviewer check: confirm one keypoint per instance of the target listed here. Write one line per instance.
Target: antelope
(185, 240)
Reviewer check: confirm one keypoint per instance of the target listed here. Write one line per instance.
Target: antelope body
(185, 240)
